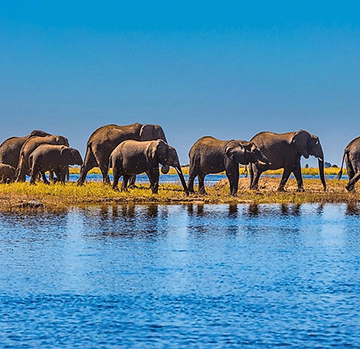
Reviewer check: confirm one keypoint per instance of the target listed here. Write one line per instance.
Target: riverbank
(22, 196)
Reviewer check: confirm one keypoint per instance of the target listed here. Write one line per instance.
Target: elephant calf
(135, 157)
(7, 173)
(50, 157)
(211, 155)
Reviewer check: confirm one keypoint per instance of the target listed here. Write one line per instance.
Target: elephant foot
(133, 186)
(300, 190)
(350, 188)
(202, 192)
(281, 189)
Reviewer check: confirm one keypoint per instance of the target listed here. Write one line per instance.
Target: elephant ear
(147, 133)
(65, 152)
(301, 141)
(162, 155)
(232, 148)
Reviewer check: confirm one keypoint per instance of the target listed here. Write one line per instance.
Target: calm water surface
(182, 276)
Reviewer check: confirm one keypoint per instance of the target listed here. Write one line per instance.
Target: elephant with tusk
(135, 157)
(284, 150)
(211, 155)
(106, 138)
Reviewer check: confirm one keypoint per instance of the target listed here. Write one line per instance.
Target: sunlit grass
(59, 197)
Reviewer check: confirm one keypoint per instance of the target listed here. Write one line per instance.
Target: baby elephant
(134, 157)
(211, 155)
(57, 158)
(7, 173)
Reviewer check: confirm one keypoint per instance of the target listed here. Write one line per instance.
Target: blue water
(210, 179)
(181, 276)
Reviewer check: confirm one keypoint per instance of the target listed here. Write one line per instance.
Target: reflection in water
(253, 210)
(353, 209)
(223, 274)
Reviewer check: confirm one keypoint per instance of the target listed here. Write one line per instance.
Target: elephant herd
(133, 149)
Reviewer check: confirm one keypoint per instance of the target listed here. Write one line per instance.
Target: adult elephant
(10, 148)
(50, 157)
(211, 155)
(134, 157)
(352, 161)
(106, 138)
(29, 146)
(284, 150)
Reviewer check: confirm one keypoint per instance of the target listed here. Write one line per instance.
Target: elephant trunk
(182, 179)
(321, 171)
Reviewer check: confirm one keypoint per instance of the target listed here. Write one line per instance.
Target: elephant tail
(346, 153)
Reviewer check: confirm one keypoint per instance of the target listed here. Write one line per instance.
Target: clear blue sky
(224, 68)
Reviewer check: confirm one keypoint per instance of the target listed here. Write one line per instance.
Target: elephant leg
(34, 173)
(132, 181)
(89, 163)
(297, 173)
(116, 175)
(124, 186)
(62, 173)
(43, 176)
(233, 177)
(351, 185)
(104, 171)
(192, 175)
(284, 178)
(51, 176)
(153, 175)
(351, 175)
(255, 174)
(21, 175)
(201, 178)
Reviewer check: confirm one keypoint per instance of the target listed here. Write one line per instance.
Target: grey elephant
(29, 146)
(7, 173)
(135, 157)
(352, 160)
(50, 157)
(106, 138)
(284, 150)
(10, 148)
(211, 155)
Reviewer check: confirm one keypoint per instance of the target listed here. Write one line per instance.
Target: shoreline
(55, 198)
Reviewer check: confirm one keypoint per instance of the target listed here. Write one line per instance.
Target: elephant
(7, 173)
(29, 146)
(352, 161)
(284, 150)
(10, 148)
(211, 155)
(106, 138)
(134, 157)
(50, 157)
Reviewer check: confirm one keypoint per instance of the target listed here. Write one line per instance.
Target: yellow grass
(19, 196)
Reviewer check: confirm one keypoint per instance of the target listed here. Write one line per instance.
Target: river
(181, 276)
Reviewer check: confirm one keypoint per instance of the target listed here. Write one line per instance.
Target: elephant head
(245, 152)
(167, 156)
(71, 156)
(151, 132)
(308, 144)
(61, 140)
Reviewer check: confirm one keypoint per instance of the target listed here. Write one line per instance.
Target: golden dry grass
(19, 196)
